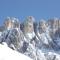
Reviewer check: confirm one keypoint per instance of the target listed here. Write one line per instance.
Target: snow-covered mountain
(38, 40)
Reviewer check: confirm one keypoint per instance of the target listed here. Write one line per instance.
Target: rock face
(28, 27)
(11, 23)
(42, 26)
(28, 24)
(2, 28)
(54, 26)
(39, 41)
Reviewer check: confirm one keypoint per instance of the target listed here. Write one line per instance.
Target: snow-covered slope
(8, 54)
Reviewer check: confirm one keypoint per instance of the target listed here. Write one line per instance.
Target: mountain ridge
(36, 40)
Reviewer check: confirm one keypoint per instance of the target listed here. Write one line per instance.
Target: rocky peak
(54, 25)
(11, 22)
(28, 24)
(42, 26)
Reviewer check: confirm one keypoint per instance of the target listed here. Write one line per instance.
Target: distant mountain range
(38, 40)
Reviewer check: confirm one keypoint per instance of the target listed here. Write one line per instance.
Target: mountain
(38, 40)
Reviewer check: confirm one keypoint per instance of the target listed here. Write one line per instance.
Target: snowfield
(8, 54)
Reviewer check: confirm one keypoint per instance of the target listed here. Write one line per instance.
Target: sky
(40, 9)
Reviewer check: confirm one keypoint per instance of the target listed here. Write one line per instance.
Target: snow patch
(30, 35)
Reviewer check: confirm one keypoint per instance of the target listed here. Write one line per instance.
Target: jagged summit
(11, 22)
(28, 24)
(38, 40)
